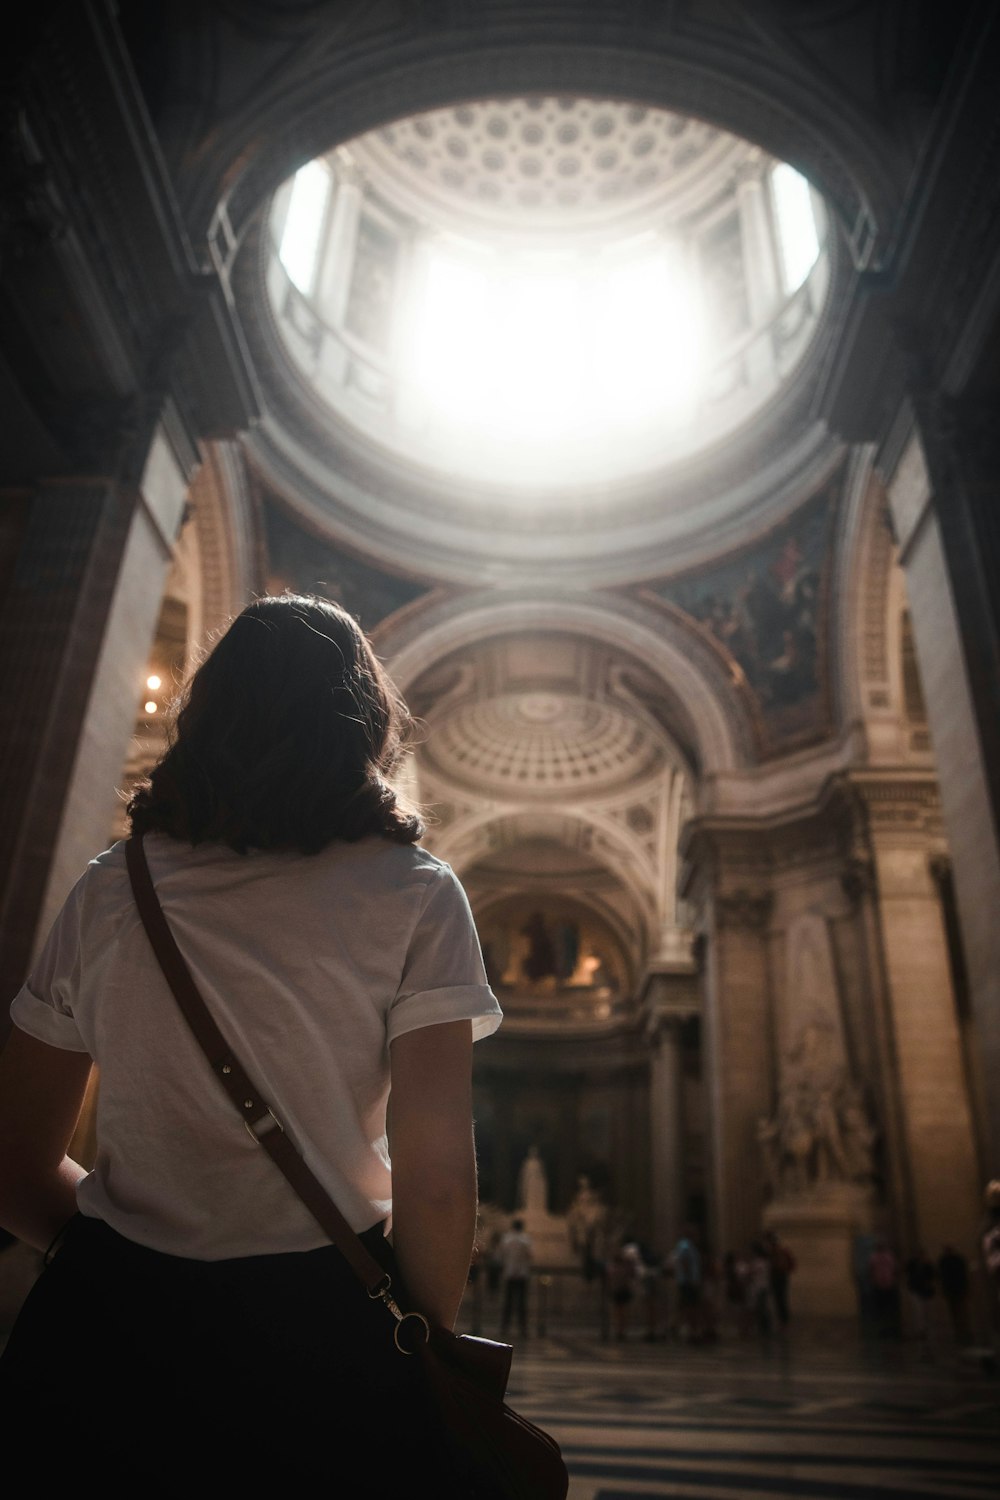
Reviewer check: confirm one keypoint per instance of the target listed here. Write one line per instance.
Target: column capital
(751, 171)
(857, 878)
(347, 172)
(897, 804)
(746, 910)
(669, 997)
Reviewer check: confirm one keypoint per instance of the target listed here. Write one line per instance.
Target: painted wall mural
(298, 560)
(766, 607)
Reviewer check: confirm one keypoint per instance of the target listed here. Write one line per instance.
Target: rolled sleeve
(443, 977)
(43, 1007)
(39, 1019)
(457, 1002)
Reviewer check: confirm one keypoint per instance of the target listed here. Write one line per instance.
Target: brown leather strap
(252, 1107)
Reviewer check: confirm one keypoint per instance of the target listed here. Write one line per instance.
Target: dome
(534, 744)
(542, 164)
(544, 293)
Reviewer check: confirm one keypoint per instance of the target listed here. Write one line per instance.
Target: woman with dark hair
(194, 1327)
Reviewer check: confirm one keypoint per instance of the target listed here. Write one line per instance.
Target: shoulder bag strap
(254, 1110)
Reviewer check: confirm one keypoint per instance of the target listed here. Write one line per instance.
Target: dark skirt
(159, 1376)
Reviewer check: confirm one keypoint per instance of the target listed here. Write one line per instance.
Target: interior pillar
(667, 1135)
(76, 621)
(738, 1061)
(952, 590)
(937, 1122)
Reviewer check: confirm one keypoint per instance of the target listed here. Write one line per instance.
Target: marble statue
(820, 1132)
(585, 1218)
(826, 1139)
(532, 1184)
(859, 1140)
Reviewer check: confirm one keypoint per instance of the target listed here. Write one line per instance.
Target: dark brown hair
(286, 737)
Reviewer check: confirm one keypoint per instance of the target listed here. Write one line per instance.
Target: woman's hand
(41, 1095)
(433, 1166)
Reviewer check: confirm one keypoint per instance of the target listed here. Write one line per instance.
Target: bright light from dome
(797, 234)
(300, 237)
(539, 353)
(535, 313)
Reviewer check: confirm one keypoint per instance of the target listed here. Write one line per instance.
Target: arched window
(798, 238)
(304, 220)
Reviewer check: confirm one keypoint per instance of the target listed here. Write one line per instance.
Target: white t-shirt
(515, 1255)
(311, 965)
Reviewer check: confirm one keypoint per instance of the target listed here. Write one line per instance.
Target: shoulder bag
(498, 1454)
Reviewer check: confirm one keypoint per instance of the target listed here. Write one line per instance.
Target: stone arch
(709, 720)
(225, 529)
(864, 567)
(234, 147)
(871, 627)
(621, 855)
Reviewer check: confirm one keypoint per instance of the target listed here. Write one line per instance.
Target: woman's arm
(41, 1094)
(433, 1165)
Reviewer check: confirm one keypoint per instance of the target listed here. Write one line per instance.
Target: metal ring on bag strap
(411, 1318)
(383, 1293)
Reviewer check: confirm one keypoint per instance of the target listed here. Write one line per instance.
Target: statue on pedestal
(549, 1234)
(820, 1132)
(532, 1184)
(818, 1147)
(585, 1220)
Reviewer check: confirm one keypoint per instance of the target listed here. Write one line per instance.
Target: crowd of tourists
(691, 1296)
(685, 1295)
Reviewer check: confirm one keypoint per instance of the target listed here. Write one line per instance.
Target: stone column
(949, 550)
(962, 450)
(52, 616)
(738, 1060)
(860, 886)
(937, 1124)
(410, 404)
(666, 1135)
(760, 258)
(76, 621)
(761, 267)
(119, 680)
(337, 257)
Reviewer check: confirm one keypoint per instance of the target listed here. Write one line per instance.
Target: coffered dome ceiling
(537, 744)
(541, 333)
(543, 163)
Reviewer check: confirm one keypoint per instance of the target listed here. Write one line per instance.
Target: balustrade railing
(360, 380)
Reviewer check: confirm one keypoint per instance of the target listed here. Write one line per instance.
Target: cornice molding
(113, 270)
(898, 803)
(236, 129)
(458, 530)
(743, 910)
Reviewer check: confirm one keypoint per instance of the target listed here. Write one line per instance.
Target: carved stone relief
(821, 1132)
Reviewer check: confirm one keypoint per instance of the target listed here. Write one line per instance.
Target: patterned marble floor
(821, 1417)
(725, 1422)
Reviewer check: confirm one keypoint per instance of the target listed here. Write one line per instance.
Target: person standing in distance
(515, 1261)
